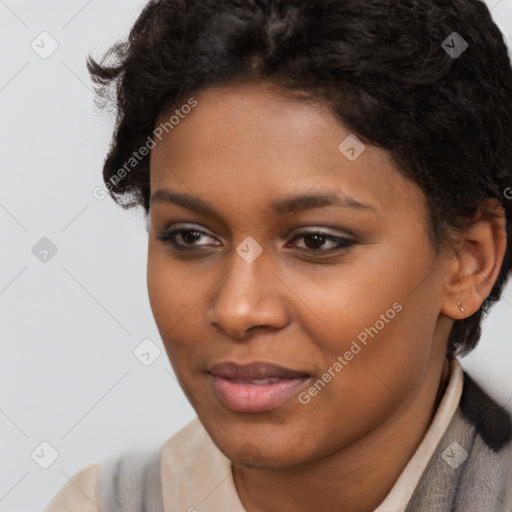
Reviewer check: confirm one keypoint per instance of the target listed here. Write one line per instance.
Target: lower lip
(254, 397)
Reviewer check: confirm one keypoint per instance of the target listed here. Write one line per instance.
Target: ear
(472, 270)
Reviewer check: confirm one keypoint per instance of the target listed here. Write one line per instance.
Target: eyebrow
(283, 206)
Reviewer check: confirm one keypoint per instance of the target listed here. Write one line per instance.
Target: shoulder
(78, 494)
(485, 473)
(130, 482)
(471, 469)
(491, 421)
(126, 483)
(191, 466)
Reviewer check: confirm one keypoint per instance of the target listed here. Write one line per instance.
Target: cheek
(159, 287)
(381, 326)
(175, 300)
(360, 300)
(166, 291)
(371, 382)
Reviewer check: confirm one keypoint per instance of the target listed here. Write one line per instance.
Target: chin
(263, 446)
(252, 457)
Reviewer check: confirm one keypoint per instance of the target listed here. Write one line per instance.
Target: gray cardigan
(480, 430)
(470, 470)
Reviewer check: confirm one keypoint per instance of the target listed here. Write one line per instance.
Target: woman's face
(341, 286)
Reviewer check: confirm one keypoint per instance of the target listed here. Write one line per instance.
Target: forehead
(250, 143)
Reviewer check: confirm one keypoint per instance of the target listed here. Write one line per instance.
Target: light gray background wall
(70, 325)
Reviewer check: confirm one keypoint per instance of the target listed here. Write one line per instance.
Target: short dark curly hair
(383, 67)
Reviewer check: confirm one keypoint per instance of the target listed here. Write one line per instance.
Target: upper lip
(254, 370)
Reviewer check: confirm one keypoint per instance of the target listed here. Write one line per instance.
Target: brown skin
(241, 148)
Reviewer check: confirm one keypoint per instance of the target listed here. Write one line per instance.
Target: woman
(327, 185)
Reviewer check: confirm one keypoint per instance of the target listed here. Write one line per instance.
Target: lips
(255, 387)
(254, 371)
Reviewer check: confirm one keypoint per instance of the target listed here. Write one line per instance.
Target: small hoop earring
(460, 306)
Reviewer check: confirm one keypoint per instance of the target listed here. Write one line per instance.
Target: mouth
(255, 387)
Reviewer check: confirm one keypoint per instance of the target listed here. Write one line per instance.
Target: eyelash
(169, 237)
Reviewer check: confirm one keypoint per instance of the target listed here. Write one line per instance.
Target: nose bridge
(249, 294)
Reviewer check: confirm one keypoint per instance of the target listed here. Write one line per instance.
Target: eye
(183, 238)
(315, 241)
(187, 238)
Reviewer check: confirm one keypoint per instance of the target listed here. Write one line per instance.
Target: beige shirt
(196, 475)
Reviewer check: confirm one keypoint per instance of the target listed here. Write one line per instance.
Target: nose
(250, 296)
